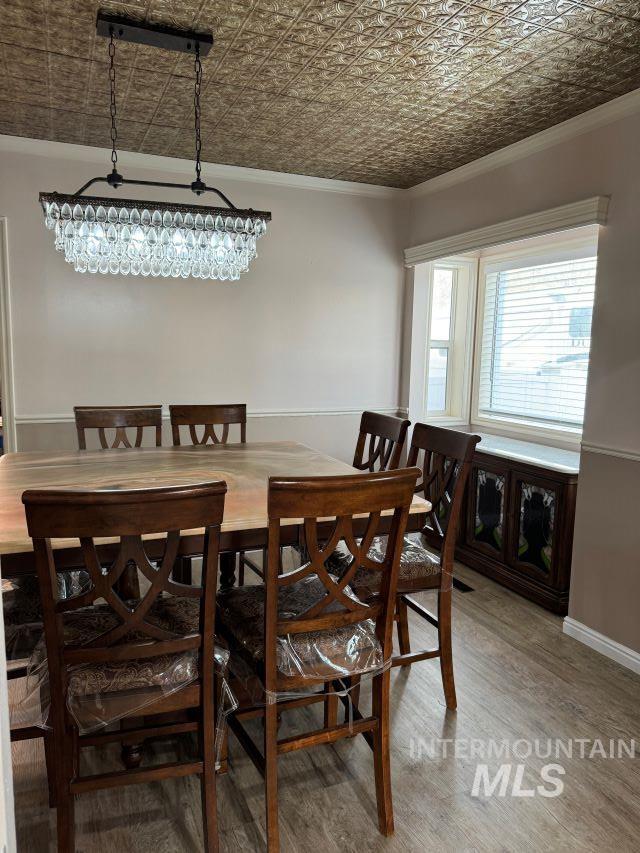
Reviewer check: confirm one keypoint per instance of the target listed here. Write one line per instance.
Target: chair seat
(335, 652)
(419, 567)
(101, 693)
(22, 609)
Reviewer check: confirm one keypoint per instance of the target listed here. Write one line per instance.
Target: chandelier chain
(196, 106)
(112, 106)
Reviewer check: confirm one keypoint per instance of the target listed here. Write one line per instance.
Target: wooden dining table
(245, 468)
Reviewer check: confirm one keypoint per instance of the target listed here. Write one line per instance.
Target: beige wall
(314, 326)
(606, 562)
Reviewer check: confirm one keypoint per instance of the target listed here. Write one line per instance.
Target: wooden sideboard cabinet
(517, 525)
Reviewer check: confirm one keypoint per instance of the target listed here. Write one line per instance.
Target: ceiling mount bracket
(153, 35)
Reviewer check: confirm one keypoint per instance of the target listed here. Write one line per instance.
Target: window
(443, 304)
(440, 329)
(500, 337)
(534, 338)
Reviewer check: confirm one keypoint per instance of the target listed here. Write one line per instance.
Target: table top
(245, 468)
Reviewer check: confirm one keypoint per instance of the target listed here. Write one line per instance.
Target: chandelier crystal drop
(121, 237)
(132, 237)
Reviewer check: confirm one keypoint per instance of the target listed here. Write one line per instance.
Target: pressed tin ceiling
(382, 91)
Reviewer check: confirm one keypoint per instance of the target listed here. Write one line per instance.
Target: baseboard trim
(251, 413)
(600, 643)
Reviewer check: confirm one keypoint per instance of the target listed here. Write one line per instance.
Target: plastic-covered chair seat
(419, 567)
(101, 693)
(348, 650)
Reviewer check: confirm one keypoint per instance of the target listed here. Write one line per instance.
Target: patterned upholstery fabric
(347, 650)
(419, 567)
(179, 615)
(22, 609)
(99, 694)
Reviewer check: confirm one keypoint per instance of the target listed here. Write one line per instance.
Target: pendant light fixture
(130, 237)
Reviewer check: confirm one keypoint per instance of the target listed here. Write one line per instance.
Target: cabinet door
(533, 534)
(487, 509)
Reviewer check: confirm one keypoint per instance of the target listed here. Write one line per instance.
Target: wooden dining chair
(444, 457)
(208, 419)
(309, 611)
(96, 641)
(21, 600)
(213, 422)
(381, 438)
(119, 419)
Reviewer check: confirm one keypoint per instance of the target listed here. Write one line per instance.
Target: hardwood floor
(518, 677)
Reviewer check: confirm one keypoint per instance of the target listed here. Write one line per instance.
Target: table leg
(129, 583)
(131, 753)
(227, 570)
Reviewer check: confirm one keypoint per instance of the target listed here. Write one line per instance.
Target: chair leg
(208, 791)
(446, 653)
(403, 627)
(271, 776)
(50, 761)
(65, 800)
(330, 706)
(241, 568)
(353, 696)
(381, 760)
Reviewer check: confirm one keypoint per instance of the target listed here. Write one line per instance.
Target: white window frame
(460, 343)
(553, 248)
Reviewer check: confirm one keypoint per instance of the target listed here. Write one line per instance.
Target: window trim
(558, 247)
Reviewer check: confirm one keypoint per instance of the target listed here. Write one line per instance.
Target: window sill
(535, 432)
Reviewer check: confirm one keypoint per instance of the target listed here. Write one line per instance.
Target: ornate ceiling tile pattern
(381, 91)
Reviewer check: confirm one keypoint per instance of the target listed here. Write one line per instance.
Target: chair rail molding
(251, 413)
(605, 450)
(623, 655)
(589, 211)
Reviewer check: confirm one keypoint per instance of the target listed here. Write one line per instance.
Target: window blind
(536, 337)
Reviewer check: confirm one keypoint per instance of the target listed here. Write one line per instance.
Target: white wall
(605, 584)
(313, 326)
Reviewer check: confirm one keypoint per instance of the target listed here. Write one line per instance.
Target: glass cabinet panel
(489, 509)
(536, 525)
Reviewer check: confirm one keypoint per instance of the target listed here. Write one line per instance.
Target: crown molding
(625, 105)
(590, 211)
(87, 154)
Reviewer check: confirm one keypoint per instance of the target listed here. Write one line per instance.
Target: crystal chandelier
(129, 237)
